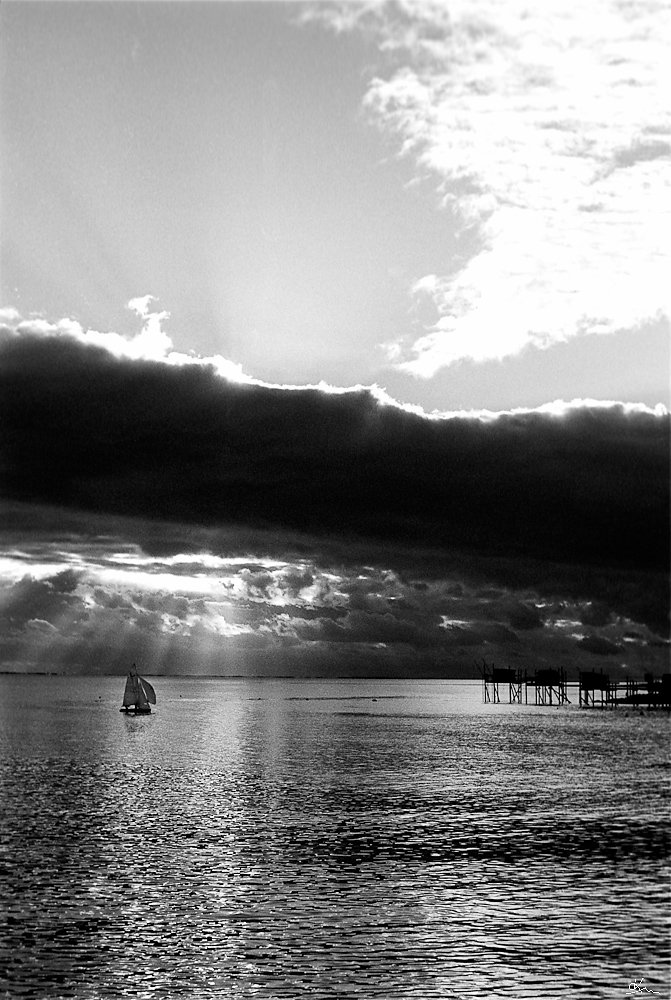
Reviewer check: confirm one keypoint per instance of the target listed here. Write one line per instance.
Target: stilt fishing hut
(596, 690)
(550, 687)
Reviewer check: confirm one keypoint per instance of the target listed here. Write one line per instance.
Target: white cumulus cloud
(546, 129)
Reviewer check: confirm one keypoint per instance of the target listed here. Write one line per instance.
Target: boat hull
(135, 711)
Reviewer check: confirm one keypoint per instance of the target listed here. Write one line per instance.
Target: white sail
(130, 694)
(148, 691)
(139, 693)
(141, 698)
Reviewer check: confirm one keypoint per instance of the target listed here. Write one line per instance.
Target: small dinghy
(138, 696)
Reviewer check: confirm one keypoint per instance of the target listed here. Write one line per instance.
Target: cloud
(9, 316)
(140, 305)
(599, 646)
(397, 611)
(525, 616)
(82, 427)
(317, 504)
(51, 599)
(151, 343)
(595, 613)
(544, 130)
(640, 151)
(372, 627)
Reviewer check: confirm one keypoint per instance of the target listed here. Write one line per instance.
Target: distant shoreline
(242, 677)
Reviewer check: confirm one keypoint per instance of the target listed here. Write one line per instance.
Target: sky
(334, 337)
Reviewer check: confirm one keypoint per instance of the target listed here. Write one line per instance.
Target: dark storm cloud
(525, 616)
(596, 613)
(338, 613)
(49, 600)
(597, 644)
(359, 626)
(583, 496)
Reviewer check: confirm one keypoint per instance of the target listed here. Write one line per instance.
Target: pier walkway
(506, 685)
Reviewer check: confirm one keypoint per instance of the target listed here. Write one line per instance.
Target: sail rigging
(148, 690)
(138, 694)
(130, 692)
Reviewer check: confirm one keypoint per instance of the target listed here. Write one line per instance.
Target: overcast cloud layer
(588, 488)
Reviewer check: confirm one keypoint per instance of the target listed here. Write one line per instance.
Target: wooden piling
(596, 690)
(550, 686)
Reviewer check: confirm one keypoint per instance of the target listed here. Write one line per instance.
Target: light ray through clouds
(547, 131)
(205, 613)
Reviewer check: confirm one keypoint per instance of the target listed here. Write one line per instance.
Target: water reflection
(247, 841)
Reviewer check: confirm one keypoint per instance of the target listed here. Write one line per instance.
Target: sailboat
(139, 695)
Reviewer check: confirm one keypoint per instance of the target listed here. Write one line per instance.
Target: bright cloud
(548, 128)
(215, 613)
(151, 343)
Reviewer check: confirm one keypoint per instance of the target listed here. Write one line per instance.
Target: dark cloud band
(81, 428)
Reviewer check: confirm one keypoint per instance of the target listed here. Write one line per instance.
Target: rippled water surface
(275, 839)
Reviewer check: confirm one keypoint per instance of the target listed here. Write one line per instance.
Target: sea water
(346, 838)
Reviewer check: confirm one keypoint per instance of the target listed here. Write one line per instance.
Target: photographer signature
(638, 987)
